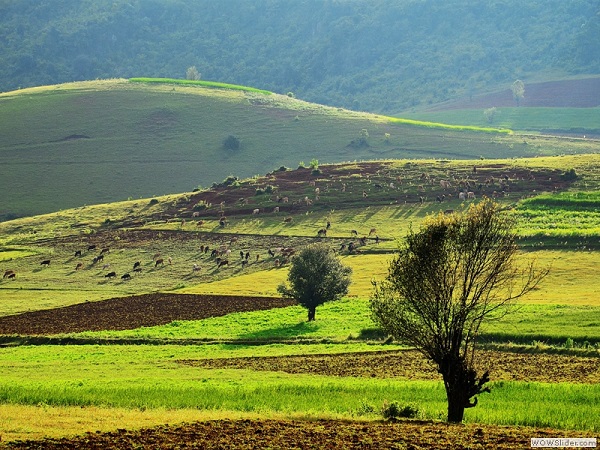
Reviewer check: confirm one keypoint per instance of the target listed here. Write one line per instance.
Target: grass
(110, 140)
(147, 378)
(203, 83)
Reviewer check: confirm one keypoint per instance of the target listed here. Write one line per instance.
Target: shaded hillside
(378, 56)
(580, 93)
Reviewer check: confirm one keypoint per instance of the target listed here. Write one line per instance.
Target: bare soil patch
(320, 434)
(127, 313)
(410, 364)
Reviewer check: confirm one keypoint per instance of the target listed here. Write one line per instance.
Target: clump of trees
(316, 276)
(448, 278)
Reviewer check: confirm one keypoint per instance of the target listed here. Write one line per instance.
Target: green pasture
(150, 378)
(105, 141)
(573, 120)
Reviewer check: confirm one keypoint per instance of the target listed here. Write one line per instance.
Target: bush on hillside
(232, 142)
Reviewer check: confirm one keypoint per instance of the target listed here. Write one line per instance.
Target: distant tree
(456, 272)
(518, 91)
(316, 276)
(192, 73)
(490, 114)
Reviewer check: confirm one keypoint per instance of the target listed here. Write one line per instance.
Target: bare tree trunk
(456, 403)
(311, 313)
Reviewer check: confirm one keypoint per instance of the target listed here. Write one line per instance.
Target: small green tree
(457, 272)
(192, 73)
(316, 276)
(518, 91)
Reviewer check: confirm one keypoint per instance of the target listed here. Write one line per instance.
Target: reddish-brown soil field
(321, 434)
(127, 313)
(584, 93)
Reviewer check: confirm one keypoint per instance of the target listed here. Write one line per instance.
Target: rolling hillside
(94, 142)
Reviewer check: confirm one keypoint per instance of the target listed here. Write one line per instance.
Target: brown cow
(223, 263)
(8, 273)
(159, 261)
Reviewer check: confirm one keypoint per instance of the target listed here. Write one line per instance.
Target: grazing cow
(276, 209)
(354, 232)
(137, 269)
(317, 191)
(110, 275)
(471, 195)
(322, 232)
(200, 223)
(79, 266)
(125, 276)
(196, 214)
(308, 201)
(461, 196)
(365, 195)
(104, 250)
(159, 261)
(223, 263)
(288, 220)
(244, 262)
(98, 259)
(91, 247)
(8, 273)
(156, 256)
(241, 254)
(247, 256)
(286, 200)
(444, 184)
(255, 211)
(271, 253)
(45, 262)
(136, 264)
(78, 253)
(373, 231)
(106, 266)
(196, 268)
(12, 276)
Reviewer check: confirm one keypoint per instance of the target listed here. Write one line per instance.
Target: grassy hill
(93, 142)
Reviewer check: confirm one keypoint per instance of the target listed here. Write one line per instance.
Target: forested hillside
(374, 55)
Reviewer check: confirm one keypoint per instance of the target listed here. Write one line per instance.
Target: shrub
(153, 201)
(232, 142)
(569, 175)
(282, 169)
(392, 411)
(200, 206)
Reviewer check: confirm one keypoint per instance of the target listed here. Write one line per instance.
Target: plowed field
(412, 365)
(128, 313)
(322, 434)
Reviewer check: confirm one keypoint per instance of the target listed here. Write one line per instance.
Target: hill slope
(94, 142)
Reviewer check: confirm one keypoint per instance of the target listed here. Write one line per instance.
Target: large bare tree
(456, 272)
